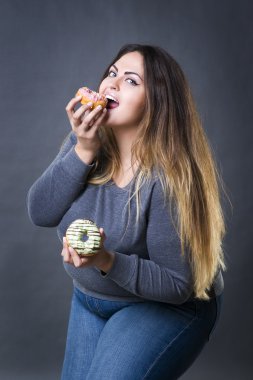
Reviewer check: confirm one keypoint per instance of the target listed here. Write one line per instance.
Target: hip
(204, 314)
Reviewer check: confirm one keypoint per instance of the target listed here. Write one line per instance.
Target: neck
(125, 140)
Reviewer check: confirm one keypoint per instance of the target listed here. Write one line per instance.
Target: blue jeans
(117, 340)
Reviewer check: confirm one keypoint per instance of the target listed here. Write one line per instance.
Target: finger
(100, 118)
(74, 116)
(84, 260)
(102, 234)
(98, 122)
(77, 118)
(65, 252)
(71, 105)
(86, 108)
(64, 244)
(67, 257)
(95, 123)
(92, 116)
(75, 257)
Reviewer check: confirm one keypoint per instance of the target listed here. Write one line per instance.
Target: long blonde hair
(171, 140)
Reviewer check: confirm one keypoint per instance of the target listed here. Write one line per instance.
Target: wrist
(86, 156)
(107, 262)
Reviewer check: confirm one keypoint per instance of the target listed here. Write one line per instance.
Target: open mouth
(112, 102)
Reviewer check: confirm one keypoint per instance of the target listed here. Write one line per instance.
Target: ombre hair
(172, 143)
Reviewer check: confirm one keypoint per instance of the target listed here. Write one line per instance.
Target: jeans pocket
(218, 302)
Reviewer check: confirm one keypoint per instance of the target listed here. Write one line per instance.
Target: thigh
(83, 334)
(152, 341)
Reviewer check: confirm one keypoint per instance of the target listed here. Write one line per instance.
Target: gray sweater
(148, 262)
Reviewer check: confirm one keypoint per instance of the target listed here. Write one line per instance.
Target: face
(125, 84)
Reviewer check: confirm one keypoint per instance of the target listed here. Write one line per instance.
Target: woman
(142, 170)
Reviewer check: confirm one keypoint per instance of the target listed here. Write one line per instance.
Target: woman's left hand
(103, 260)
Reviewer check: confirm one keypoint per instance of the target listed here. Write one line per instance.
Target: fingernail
(89, 104)
(99, 107)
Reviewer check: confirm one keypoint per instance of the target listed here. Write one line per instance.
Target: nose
(114, 83)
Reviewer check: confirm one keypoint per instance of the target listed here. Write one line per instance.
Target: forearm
(149, 280)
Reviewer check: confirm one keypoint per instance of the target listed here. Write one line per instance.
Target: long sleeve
(54, 191)
(166, 277)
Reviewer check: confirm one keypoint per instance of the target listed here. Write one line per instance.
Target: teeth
(111, 98)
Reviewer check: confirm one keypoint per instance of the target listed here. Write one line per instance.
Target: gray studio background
(48, 49)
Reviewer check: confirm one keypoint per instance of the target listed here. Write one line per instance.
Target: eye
(111, 73)
(132, 82)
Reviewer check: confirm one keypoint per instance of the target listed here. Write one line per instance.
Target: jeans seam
(88, 305)
(101, 313)
(168, 345)
(85, 301)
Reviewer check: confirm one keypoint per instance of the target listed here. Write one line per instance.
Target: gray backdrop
(49, 48)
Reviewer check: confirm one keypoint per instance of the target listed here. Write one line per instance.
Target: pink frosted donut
(91, 96)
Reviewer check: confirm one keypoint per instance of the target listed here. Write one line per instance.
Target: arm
(52, 194)
(166, 277)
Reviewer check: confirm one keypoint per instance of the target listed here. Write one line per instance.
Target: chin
(110, 120)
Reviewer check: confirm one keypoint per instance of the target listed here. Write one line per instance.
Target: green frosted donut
(75, 233)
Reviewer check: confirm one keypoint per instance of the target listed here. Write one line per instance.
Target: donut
(75, 233)
(91, 96)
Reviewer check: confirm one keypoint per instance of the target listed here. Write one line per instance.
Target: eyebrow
(127, 72)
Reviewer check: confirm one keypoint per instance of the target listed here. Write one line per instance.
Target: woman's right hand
(85, 123)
